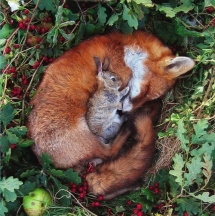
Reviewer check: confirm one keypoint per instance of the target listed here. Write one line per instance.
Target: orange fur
(57, 121)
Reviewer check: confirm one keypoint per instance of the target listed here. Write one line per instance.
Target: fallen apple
(36, 202)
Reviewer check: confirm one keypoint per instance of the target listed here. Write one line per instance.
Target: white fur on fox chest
(134, 58)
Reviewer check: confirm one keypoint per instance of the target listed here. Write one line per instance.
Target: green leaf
(129, 17)
(29, 172)
(27, 187)
(46, 160)
(148, 193)
(169, 11)
(147, 3)
(194, 168)
(5, 144)
(72, 176)
(3, 62)
(187, 204)
(3, 208)
(13, 138)
(205, 197)
(206, 148)
(9, 196)
(67, 23)
(18, 130)
(174, 186)
(10, 184)
(6, 115)
(101, 14)
(178, 168)
(113, 19)
(180, 134)
(25, 143)
(68, 37)
(6, 31)
(200, 130)
(57, 173)
(47, 5)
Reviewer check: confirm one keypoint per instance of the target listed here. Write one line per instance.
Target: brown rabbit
(102, 116)
(57, 123)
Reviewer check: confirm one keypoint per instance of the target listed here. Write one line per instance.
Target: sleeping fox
(57, 122)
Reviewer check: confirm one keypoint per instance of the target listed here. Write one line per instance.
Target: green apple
(36, 202)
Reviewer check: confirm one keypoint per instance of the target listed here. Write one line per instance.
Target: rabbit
(102, 116)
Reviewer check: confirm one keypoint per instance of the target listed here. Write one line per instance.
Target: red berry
(49, 19)
(37, 46)
(51, 60)
(156, 184)
(32, 27)
(156, 191)
(11, 22)
(26, 11)
(140, 214)
(66, 6)
(97, 204)
(210, 10)
(139, 206)
(135, 211)
(13, 69)
(108, 211)
(62, 39)
(7, 50)
(213, 208)
(185, 214)
(16, 46)
(22, 25)
(129, 202)
(38, 29)
(43, 30)
(25, 82)
(39, 40)
(100, 198)
(81, 195)
(151, 187)
(12, 146)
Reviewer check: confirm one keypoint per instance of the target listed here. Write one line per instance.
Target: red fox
(57, 123)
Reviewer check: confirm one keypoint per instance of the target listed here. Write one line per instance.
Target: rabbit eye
(113, 79)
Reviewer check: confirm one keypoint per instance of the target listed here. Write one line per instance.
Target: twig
(24, 96)
(207, 92)
(11, 36)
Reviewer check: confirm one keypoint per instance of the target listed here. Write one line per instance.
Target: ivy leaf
(187, 204)
(47, 5)
(72, 176)
(180, 134)
(101, 14)
(113, 19)
(9, 196)
(148, 193)
(178, 168)
(6, 115)
(205, 197)
(10, 184)
(194, 168)
(129, 17)
(68, 37)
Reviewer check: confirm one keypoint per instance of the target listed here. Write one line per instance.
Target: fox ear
(98, 64)
(179, 65)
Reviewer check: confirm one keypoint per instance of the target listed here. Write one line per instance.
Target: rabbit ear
(98, 64)
(106, 64)
(179, 65)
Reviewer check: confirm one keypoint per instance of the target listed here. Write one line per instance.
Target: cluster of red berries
(155, 188)
(16, 92)
(138, 208)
